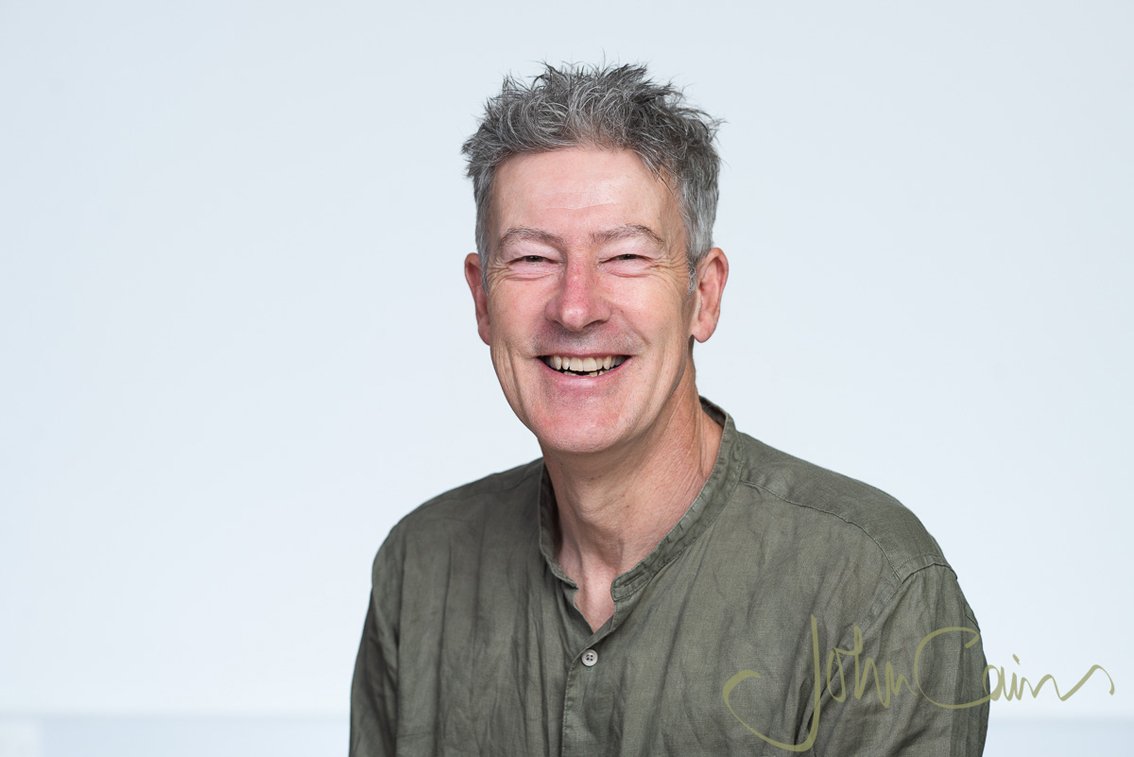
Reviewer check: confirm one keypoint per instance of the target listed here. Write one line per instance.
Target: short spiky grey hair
(608, 106)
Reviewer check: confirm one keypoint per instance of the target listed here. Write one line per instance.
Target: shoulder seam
(934, 559)
(869, 535)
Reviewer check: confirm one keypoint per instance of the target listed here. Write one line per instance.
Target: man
(658, 583)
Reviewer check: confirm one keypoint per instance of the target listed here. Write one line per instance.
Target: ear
(475, 278)
(712, 273)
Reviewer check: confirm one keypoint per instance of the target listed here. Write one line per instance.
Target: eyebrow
(626, 231)
(629, 231)
(524, 233)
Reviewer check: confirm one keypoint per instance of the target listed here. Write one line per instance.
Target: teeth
(589, 366)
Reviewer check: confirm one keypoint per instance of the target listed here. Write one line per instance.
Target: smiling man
(658, 582)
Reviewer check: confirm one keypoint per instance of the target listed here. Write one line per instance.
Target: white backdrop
(234, 334)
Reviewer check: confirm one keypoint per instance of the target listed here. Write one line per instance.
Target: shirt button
(590, 657)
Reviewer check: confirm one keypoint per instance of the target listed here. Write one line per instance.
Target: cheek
(670, 315)
(514, 304)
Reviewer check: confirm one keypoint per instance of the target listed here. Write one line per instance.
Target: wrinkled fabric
(791, 610)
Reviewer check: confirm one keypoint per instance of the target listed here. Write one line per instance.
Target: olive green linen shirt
(791, 610)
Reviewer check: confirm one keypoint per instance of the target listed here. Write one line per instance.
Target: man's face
(587, 311)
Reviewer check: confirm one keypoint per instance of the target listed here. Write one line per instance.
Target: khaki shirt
(791, 610)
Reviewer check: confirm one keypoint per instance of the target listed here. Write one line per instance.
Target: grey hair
(608, 106)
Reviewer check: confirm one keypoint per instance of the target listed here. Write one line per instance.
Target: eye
(532, 264)
(627, 262)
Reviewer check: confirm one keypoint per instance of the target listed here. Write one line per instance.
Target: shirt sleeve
(374, 690)
(912, 682)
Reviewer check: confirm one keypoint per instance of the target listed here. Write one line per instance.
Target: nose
(578, 301)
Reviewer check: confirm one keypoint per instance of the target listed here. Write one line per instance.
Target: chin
(578, 441)
(573, 446)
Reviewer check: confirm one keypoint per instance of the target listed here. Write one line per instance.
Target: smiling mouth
(583, 366)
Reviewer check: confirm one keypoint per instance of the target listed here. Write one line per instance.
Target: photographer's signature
(888, 683)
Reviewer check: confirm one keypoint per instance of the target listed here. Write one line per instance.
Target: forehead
(580, 189)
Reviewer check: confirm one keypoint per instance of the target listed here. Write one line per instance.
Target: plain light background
(235, 341)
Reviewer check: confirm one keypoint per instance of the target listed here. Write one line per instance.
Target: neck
(614, 508)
